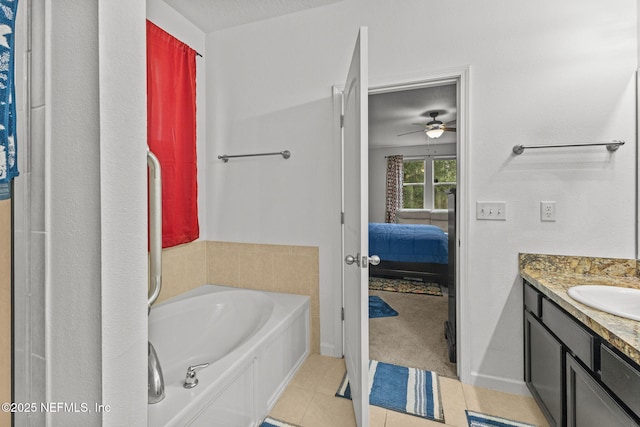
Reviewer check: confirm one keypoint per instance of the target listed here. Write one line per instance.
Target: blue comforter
(408, 243)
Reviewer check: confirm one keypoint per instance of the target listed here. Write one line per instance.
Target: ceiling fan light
(435, 132)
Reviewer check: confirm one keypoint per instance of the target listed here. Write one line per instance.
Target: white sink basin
(624, 302)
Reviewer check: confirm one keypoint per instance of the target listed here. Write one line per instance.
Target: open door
(355, 229)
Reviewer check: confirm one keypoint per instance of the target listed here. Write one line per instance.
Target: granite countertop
(553, 275)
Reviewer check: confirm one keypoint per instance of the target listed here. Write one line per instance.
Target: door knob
(374, 260)
(350, 259)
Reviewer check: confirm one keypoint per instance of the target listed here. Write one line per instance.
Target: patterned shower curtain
(394, 187)
(171, 131)
(8, 142)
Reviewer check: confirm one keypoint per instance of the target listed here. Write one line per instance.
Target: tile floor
(309, 401)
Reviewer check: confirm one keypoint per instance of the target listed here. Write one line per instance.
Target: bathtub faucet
(191, 381)
(156, 380)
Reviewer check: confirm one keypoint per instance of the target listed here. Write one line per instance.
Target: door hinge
(341, 217)
(342, 313)
(342, 120)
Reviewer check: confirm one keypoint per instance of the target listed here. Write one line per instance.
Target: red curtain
(171, 131)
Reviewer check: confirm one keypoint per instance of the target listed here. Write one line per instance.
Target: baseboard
(500, 384)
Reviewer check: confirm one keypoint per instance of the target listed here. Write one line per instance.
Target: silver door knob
(374, 260)
(350, 259)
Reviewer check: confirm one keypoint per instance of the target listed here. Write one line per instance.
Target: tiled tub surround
(5, 306)
(274, 268)
(553, 275)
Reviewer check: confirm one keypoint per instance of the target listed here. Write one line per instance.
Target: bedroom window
(425, 184)
(413, 184)
(444, 179)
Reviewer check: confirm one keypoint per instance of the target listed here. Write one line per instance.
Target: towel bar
(285, 154)
(611, 146)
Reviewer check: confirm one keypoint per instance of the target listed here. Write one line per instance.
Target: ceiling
(213, 15)
(394, 113)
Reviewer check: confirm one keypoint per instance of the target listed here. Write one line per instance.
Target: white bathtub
(253, 341)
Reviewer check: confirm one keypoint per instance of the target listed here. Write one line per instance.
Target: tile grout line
(465, 405)
(306, 409)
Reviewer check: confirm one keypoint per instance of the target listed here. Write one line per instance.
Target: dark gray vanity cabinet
(588, 404)
(543, 368)
(576, 378)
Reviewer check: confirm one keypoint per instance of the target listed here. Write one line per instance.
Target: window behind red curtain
(171, 131)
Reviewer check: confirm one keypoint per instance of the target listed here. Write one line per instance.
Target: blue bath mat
(476, 419)
(379, 308)
(272, 422)
(401, 389)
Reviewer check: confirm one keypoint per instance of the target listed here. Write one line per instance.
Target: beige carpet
(415, 337)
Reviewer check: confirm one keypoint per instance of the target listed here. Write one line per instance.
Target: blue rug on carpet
(401, 389)
(476, 419)
(272, 422)
(379, 308)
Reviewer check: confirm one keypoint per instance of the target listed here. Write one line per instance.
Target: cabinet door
(543, 368)
(588, 405)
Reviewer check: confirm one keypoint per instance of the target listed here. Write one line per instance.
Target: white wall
(269, 89)
(165, 17)
(92, 150)
(543, 72)
(123, 212)
(378, 171)
(73, 251)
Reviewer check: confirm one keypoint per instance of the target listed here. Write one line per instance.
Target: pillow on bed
(413, 216)
(440, 217)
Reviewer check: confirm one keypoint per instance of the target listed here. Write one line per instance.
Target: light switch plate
(493, 211)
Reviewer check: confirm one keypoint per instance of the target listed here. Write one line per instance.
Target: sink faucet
(156, 380)
(190, 380)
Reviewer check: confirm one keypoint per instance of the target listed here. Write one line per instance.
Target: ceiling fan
(433, 129)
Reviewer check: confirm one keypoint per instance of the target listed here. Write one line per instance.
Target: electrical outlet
(496, 211)
(548, 211)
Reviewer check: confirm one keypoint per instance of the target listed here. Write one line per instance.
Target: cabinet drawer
(574, 336)
(622, 378)
(532, 300)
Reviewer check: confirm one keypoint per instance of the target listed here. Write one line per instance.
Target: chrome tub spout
(156, 380)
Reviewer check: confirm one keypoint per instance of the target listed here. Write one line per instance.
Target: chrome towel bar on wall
(285, 155)
(611, 146)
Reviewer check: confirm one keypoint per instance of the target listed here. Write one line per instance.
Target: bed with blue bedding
(409, 250)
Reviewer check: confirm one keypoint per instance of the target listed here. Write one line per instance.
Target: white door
(355, 229)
